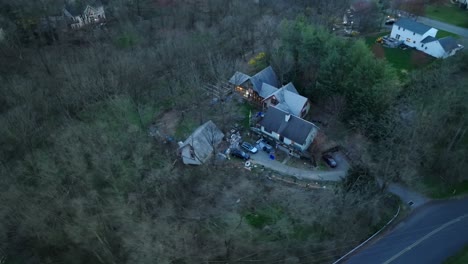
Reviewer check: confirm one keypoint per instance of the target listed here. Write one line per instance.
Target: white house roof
(448, 43)
(412, 25)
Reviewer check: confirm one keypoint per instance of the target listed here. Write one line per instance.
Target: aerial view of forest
(233, 131)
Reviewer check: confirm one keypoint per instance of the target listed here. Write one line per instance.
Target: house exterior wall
(431, 32)
(305, 109)
(433, 48)
(409, 37)
(289, 142)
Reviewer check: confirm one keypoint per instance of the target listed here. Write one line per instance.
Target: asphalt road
(431, 234)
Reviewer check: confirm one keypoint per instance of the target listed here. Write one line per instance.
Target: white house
(411, 32)
(423, 38)
(290, 130)
(80, 15)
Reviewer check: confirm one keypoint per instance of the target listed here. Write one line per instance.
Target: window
(425, 48)
(274, 101)
(414, 33)
(422, 45)
(399, 28)
(414, 41)
(397, 36)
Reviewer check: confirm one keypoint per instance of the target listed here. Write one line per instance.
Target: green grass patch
(460, 258)
(247, 111)
(443, 33)
(185, 128)
(264, 217)
(448, 13)
(402, 60)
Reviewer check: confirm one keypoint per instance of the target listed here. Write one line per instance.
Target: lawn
(443, 33)
(402, 60)
(448, 13)
(460, 258)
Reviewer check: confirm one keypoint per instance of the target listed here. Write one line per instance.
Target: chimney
(287, 117)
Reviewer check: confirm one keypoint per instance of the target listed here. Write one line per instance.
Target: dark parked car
(240, 154)
(329, 160)
(263, 145)
(249, 147)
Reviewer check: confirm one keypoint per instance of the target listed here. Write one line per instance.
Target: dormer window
(274, 101)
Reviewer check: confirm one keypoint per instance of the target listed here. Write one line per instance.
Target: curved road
(431, 234)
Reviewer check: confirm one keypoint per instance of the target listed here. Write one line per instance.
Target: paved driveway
(336, 174)
(444, 26)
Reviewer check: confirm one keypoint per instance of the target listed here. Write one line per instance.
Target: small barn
(201, 144)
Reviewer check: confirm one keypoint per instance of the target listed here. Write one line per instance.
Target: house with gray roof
(289, 130)
(84, 12)
(423, 38)
(201, 144)
(264, 89)
(288, 99)
(255, 88)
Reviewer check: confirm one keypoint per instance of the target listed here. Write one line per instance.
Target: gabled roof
(448, 43)
(296, 128)
(198, 147)
(266, 75)
(428, 39)
(289, 100)
(239, 78)
(412, 25)
(77, 8)
(290, 87)
(267, 90)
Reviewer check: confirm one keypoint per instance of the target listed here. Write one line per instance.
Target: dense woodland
(82, 182)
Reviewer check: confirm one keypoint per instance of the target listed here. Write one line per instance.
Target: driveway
(262, 158)
(444, 26)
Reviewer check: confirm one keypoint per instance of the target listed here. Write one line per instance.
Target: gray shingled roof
(290, 87)
(296, 128)
(413, 26)
(266, 75)
(239, 78)
(428, 39)
(201, 143)
(448, 43)
(289, 100)
(267, 90)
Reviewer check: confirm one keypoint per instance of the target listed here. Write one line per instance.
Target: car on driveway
(240, 154)
(329, 160)
(249, 147)
(263, 145)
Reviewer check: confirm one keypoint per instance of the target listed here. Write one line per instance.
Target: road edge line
(367, 240)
